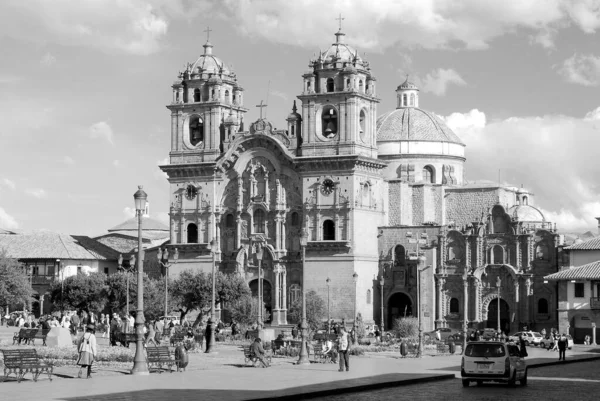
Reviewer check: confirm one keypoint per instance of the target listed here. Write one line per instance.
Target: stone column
(182, 229)
(267, 192)
(283, 230)
(477, 299)
(276, 306)
(172, 240)
(277, 233)
(594, 334)
(440, 284)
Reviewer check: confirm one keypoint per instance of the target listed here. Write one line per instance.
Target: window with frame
(399, 255)
(454, 306)
(229, 221)
(428, 175)
(579, 290)
(259, 221)
(329, 122)
(330, 85)
(196, 95)
(192, 233)
(328, 230)
(295, 219)
(196, 130)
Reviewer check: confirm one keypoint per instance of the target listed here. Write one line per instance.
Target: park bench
(126, 338)
(249, 356)
(23, 361)
(177, 337)
(319, 354)
(30, 335)
(160, 357)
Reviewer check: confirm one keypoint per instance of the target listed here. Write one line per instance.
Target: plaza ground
(223, 376)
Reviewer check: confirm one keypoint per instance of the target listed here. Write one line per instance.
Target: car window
(485, 350)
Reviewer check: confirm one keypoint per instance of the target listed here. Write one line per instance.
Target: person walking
(522, 347)
(87, 350)
(151, 338)
(562, 347)
(343, 348)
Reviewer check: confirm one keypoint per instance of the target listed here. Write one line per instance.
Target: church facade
(390, 225)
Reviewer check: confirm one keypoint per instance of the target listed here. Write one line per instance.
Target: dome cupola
(407, 95)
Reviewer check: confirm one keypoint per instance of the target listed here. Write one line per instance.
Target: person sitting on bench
(257, 351)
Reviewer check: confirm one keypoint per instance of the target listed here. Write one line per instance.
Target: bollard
(403, 349)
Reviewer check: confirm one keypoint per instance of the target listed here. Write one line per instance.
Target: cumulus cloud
(128, 212)
(48, 60)
(102, 130)
(132, 26)
(470, 24)
(37, 193)
(581, 69)
(7, 221)
(8, 183)
(437, 81)
(552, 155)
(68, 161)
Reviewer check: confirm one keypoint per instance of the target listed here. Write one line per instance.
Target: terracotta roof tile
(591, 271)
(589, 245)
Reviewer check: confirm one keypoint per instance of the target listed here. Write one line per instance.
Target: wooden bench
(30, 335)
(320, 355)
(249, 356)
(177, 337)
(160, 358)
(126, 338)
(23, 361)
(19, 336)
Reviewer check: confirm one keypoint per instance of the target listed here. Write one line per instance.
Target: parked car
(488, 334)
(493, 361)
(445, 333)
(530, 337)
(549, 342)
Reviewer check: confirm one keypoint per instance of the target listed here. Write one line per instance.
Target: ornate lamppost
(382, 322)
(212, 319)
(61, 266)
(354, 326)
(127, 270)
(259, 256)
(465, 307)
(163, 259)
(140, 366)
(328, 311)
(420, 261)
(303, 358)
(498, 284)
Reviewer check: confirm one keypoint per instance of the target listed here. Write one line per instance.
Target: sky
(84, 85)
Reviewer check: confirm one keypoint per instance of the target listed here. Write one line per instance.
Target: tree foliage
(244, 311)
(407, 327)
(81, 292)
(316, 310)
(15, 288)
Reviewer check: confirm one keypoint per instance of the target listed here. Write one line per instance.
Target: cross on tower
(261, 105)
(340, 19)
(208, 31)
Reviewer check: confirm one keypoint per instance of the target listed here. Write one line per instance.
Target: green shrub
(357, 351)
(407, 327)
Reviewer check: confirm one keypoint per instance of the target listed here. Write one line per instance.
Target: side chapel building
(379, 195)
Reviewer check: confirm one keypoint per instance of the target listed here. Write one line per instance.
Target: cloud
(8, 183)
(549, 154)
(470, 24)
(581, 69)
(128, 212)
(158, 173)
(438, 80)
(37, 193)
(7, 221)
(116, 163)
(102, 130)
(68, 161)
(48, 60)
(130, 26)
(280, 95)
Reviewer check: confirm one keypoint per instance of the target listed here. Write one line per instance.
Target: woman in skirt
(87, 350)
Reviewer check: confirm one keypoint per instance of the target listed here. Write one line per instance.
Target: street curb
(565, 362)
(338, 388)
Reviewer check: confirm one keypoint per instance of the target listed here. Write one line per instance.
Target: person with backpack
(562, 347)
(87, 350)
(343, 350)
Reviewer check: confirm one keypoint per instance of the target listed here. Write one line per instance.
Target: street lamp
(259, 256)
(382, 322)
(420, 261)
(212, 318)
(163, 259)
(127, 270)
(465, 307)
(62, 283)
(303, 358)
(328, 311)
(140, 366)
(498, 284)
(354, 327)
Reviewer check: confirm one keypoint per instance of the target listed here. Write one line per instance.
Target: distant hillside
(571, 237)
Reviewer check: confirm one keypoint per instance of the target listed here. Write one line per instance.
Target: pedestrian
(587, 340)
(257, 351)
(74, 323)
(295, 332)
(115, 328)
(522, 347)
(151, 334)
(87, 350)
(343, 348)
(562, 347)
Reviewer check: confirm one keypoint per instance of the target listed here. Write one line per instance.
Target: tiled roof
(96, 248)
(591, 271)
(45, 245)
(414, 124)
(147, 224)
(589, 245)
(119, 243)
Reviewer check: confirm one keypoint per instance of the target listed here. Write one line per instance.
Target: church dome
(340, 52)
(414, 124)
(209, 63)
(525, 213)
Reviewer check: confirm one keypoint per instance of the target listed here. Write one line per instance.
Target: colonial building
(376, 196)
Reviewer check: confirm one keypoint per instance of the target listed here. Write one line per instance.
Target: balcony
(42, 279)
(595, 303)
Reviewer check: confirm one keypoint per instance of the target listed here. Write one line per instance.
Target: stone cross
(261, 105)
(340, 19)
(208, 31)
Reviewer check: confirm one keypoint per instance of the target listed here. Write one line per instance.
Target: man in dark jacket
(562, 347)
(257, 350)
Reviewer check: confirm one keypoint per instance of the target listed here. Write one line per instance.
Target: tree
(192, 290)
(229, 287)
(14, 284)
(407, 327)
(116, 294)
(81, 292)
(244, 310)
(316, 310)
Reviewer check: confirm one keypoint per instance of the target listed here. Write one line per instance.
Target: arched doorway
(399, 305)
(492, 316)
(267, 299)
